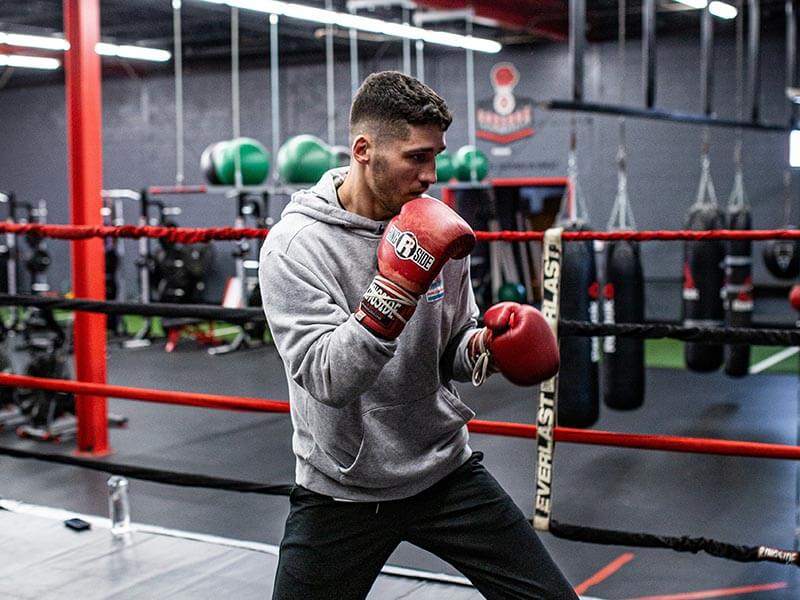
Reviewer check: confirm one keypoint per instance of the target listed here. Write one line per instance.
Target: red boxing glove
(794, 297)
(415, 246)
(518, 342)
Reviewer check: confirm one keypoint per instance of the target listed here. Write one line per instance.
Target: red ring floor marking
(719, 593)
(604, 573)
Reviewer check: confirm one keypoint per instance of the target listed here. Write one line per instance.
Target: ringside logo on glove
(407, 247)
(406, 268)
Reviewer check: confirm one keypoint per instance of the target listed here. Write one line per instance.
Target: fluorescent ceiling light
(102, 48)
(693, 3)
(794, 148)
(348, 21)
(29, 62)
(33, 41)
(722, 10)
(134, 52)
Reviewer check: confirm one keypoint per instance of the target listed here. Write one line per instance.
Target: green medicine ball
(303, 159)
(445, 169)
(340, 156)
(468, 158)
(254, 160)
(511, 292)
(207, 164)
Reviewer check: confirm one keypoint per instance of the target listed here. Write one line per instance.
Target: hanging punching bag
(578, 385)
(703, 279)
(738, 290)
(623, 302)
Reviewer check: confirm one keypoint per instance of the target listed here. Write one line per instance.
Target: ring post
(85, 143)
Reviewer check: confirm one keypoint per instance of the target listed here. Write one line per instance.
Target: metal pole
(144, 249)
(274, 89)
(706, 62)
(11, 242)
(649, 52)
(791, 58)
(178, 57)
(406, 45)
(577, 42)
(118, 220)
(329, 79)
(354, 77)
(421, 60)
(753, 66)
(471, 100)
(39, 280)
(235, 113)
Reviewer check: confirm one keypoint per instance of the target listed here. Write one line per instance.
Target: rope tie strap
(479, 357)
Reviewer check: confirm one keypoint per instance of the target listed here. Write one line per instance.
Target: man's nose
(428, 173)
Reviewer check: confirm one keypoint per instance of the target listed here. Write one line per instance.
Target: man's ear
(361, 150)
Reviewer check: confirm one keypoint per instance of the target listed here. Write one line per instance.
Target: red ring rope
(563, 434)
(235, 403)
(714, 234)
(192, 235)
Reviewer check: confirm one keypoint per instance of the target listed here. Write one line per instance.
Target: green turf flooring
(668, 354)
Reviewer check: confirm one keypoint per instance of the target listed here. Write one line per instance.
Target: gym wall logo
(505, 118)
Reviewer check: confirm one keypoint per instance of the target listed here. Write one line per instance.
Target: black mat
(743, 501)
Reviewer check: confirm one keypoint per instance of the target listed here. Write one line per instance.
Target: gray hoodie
(374, 420)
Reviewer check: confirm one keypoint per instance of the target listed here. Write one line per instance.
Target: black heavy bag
(623, 302)
(738, 291)
(703, 280)
(578, 387)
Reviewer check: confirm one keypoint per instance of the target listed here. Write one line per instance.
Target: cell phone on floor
(77, 524)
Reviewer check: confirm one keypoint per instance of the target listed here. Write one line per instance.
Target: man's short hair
(389, 101)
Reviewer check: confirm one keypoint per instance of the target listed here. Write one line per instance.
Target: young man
(367, 293)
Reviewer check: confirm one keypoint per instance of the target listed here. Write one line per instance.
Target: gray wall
(663, 158)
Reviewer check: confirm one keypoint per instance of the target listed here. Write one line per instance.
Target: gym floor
(734, 500)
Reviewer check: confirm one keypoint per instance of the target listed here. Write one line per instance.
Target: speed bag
(623, 302)
(578, 378)
(703, 280)
(738, 291)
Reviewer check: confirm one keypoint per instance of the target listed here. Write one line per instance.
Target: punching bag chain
(621, 213)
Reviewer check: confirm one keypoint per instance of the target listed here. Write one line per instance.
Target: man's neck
(355, 197)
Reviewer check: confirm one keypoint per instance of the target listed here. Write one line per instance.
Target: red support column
(85, 172)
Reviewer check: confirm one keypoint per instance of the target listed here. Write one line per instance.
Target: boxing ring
(595, 526)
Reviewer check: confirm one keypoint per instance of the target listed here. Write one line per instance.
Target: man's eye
(419, 157)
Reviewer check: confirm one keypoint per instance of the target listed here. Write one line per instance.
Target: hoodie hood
(322, 204)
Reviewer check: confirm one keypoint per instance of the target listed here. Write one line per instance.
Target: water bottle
(119, 508)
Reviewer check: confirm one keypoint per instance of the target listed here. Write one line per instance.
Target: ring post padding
(547, 411)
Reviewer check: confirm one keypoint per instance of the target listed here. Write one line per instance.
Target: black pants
(334, 550)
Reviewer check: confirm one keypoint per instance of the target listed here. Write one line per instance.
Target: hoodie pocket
(335, 436)
(408, 440)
